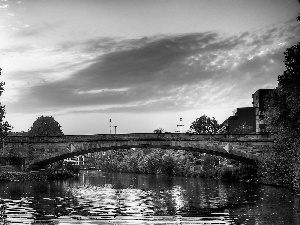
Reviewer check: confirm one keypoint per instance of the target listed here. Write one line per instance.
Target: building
(260, 108)
(252, 117)
(76, 160)
(242, 116)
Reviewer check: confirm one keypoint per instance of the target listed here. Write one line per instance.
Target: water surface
(120, 198)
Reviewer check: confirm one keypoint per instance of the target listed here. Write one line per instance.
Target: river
(121, 198)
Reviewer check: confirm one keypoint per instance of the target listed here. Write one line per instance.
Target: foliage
(283, 119)
(171, 162)
(283, 104)
(298, 18)
(45, 126)
(4, 125)
(205, 125)
(243, 128)
(61, 169)
(159, 130)
(223, 127)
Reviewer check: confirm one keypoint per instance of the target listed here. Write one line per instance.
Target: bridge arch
(211, 150)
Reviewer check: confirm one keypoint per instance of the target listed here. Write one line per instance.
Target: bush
(173, 163)
(226, 173)
(45, 126)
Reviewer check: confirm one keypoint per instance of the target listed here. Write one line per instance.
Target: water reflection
(97, 198)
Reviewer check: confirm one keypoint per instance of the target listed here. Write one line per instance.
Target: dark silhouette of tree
(205, 125)
(283, 119)
(223, 128)
(4, 125)
(45, 126)
(159, 130)
(298, 18)
(283, 103)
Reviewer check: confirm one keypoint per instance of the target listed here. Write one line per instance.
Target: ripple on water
(145, 200)
(90, 205)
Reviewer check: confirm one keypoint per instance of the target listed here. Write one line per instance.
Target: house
(252, 117)
(260, 108)
(242, 116)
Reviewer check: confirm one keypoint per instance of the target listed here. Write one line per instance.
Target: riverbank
(34, 175)
(152, 161)
(22, 176)
(173, 163)
(12, 173)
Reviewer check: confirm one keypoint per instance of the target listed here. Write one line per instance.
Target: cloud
(160, 73)
(4, 6)
(36, 29)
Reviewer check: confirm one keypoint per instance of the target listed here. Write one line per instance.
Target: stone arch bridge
(38, 152)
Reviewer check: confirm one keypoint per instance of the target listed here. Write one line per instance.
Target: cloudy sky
(142, 63)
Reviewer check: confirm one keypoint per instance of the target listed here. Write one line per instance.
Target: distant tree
(223, 128)
(4, 125)
(159, 130)
(205, 125)
(45, 126)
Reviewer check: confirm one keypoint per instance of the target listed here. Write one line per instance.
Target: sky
(144, 64)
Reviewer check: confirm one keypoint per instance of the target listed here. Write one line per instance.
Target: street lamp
(109, 126)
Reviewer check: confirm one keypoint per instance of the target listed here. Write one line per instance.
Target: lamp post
(109, 126)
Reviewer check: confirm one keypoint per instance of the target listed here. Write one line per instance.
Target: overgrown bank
(173, 163)
(283, 120)
(22, 176)
(59, 170)
(282, 168)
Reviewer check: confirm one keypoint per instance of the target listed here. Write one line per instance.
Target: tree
(4, 125)
(283, 103)
(159, 130)
(45, 126)
(283, 119)
(205, 125)
(298, 18)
